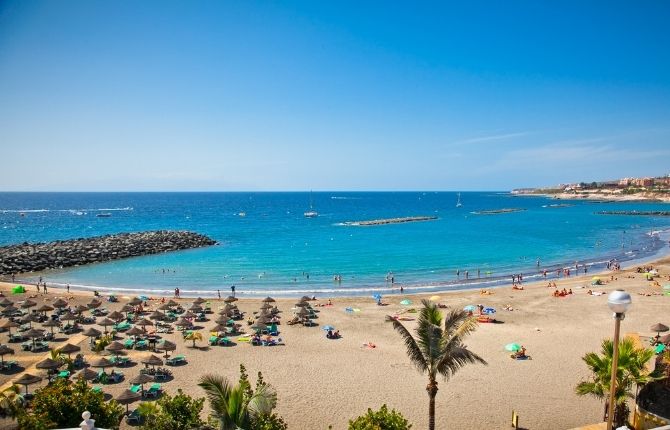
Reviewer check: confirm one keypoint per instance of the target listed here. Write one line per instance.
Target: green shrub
(101, 343)
(380, 420)
(60, 405)
(181, 412)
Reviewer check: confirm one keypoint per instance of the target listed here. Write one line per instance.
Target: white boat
(311, 213)
(458, 203)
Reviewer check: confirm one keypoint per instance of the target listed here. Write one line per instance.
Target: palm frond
(455, 358)
(413, 350)
(263, 401)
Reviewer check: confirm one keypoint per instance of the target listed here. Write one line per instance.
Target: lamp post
(618, 301)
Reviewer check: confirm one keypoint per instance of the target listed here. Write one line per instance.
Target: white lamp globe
(619, 301)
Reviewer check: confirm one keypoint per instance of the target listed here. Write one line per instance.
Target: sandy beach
(323, 382)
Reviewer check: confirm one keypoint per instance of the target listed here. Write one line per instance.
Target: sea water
(267, 246)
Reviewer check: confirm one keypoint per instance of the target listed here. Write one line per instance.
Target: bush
(380, 420)
(268, 422)
(101, 343)
(181, 412)
(61, 403)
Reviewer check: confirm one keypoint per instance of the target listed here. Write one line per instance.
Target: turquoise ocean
(267, 246)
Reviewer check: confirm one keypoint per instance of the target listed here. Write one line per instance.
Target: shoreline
(595, 267)
(556, 331)
(614, 198)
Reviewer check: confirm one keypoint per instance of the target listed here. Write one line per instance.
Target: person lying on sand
(517, 287)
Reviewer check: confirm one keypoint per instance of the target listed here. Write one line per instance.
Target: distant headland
(28, 257)
(625, 189)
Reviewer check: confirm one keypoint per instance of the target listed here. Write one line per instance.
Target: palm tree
(631, 370)
(236, 406)
(11, 401)
(194, 335)
(438, 348)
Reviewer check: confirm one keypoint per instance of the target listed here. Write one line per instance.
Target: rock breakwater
(33, 257)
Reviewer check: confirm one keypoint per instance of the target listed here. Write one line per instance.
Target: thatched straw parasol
(68, 316)
(166, 346)
(152, 360)
(5, 302)
(135, 301)
(28, 304)
(79, 309)
(268, 300)
(48, 364)
(142, 379)
(9, 324)
(156, 315)
(45, 308)
(128, 397)
(230, 299)
(27, 379)
(4, 350)
(199, 301)
(59, 303)
(116, 316)
(87, 374)
(102, 362)
(91, 332)
(94, 304)
(68, 349)
(134, 331)
(51, 324)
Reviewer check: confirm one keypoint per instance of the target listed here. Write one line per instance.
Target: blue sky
(127, 95)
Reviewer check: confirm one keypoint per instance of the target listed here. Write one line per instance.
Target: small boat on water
(458, 203)
(311, 213)
(242, 214)
(104, 215)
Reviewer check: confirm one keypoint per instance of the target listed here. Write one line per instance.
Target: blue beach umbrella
(489, 311)
(470, 308)
(377, 296)
(327, 327)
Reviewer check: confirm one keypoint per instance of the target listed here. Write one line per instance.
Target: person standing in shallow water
(232, 290)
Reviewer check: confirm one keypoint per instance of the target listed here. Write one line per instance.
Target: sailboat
(458, 203)
(311, 213)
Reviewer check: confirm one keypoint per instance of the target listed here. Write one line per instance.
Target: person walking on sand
(45, 287)
(13, 277)
(68, 288)
(218, 292)
(232, 290)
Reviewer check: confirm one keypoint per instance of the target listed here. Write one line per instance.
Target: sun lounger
(119, 360)
(141, 344)
(122, 326)
(8, 365)
(213, 340)
(129, 343)
(16, 337)
(225, 341)
(135, 388)
(97, 389)
(115, 377)
(134, 417)
(65, 374)
(177, 359)
(153, 391)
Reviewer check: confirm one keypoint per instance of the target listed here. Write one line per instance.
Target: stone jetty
(391, 220)
(33, 257)
(498, 211)
(638, 213)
